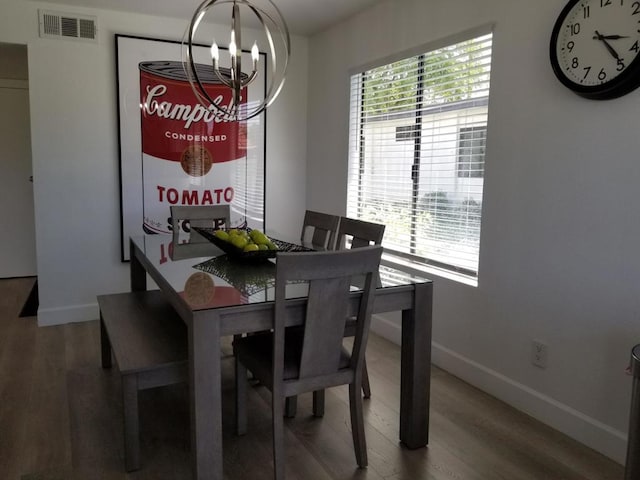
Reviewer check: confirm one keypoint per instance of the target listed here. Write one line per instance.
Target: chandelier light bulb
(215, 54)
(232, 45)
(255, 53)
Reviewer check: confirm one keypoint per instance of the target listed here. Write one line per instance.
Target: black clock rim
(624, 83)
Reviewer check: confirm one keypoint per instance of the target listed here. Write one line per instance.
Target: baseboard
(586, 430)
(60, 316)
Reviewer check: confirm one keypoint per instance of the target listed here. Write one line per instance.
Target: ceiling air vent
(70, 26)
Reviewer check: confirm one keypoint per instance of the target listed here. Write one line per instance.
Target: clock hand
(606, 44)
(610, 37)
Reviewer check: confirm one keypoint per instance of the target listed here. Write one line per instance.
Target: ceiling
(304, 17)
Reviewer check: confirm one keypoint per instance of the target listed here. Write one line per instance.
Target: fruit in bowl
(253, 241)
(222, 235)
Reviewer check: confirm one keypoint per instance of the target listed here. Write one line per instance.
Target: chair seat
(255, 352)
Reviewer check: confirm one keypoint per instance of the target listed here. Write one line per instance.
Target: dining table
(217, 295)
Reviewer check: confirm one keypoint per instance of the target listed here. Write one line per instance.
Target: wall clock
(595, 45)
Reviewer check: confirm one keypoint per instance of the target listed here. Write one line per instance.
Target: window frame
(411, 133)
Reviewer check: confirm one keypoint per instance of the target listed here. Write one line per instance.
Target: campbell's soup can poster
(173, 151)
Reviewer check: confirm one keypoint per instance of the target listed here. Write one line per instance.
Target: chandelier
(228, 71)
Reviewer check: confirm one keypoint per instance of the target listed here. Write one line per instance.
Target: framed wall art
(173, 151)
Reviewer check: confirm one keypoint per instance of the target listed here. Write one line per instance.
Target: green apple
(258, 237)
(239, 241)
(271, 245)
(251, 247)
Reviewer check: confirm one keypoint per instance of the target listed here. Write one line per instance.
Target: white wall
(559, 258)
(74, 133)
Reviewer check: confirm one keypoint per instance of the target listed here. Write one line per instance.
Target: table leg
(415, 377)
(105, 345)
(137, 273)
(206, 397)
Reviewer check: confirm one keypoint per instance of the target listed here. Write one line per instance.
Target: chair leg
(241, 398)
(238, 337)
(131, 422)
(357, 425)
(366, 387)
(318, 403)
(278, 437)
(290, 407)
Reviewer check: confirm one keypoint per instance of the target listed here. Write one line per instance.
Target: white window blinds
(418, 130)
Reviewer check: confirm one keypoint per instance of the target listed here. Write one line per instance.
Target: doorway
(18, 252)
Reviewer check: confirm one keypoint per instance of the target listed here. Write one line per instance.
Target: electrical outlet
(539, 354)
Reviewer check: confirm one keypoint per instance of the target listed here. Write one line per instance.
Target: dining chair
(361, 234)
(320, 228)
(355, 233)
(213, 216)
(291, 361)
(358, 233)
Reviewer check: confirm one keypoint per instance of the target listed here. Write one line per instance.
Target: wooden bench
(149, 343)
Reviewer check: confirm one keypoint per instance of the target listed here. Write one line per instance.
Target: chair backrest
(213, 216)
(362, 233)
(321, 227)
(329, 275)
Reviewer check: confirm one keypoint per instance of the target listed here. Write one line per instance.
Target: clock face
(595, 46)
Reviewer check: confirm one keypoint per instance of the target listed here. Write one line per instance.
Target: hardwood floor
(60, 419)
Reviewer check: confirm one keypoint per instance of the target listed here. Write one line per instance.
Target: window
(418, 130)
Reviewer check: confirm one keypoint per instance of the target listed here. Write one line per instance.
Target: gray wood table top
(205, 277)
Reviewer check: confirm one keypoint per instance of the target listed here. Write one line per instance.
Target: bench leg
(131, 422)
(105, 345)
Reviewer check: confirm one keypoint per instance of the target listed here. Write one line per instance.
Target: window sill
(427, 270)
